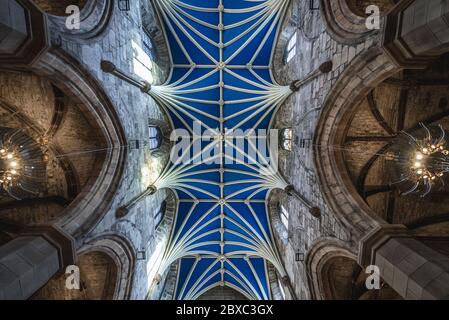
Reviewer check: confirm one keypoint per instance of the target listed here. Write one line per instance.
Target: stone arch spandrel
(321, 252)
(95, 199)
(343, 24)
(361, 76)
(95, 16)
(123, 255)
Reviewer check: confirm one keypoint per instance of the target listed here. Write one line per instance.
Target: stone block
(10, 285)
(426, 274)
(438, 288)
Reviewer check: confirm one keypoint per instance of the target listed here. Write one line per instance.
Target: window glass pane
(281, 287)
(287, 145)
(157, 218)
(291, 54)
(152, 132)
(284, 217)
(292, 42)
(153, 143)
(147, 45)
(288, 134)
(290, 50)
(154, 263)
(160, 214)
(142, 63)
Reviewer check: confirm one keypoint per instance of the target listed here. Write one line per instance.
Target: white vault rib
(265, 98)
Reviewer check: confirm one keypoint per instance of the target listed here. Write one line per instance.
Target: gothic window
(147, 44)
(154, 137)
(286, 139)
(284, 217)
(290, 50)
(154, 263)
(159, 216)
(281, 288)
(143, 58)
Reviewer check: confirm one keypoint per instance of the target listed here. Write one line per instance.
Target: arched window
(154, 137)
(284, 215)
(143, 58)
(281, 288)
(290, 50)
(154, 263)
(147, 43)
(286, 139)
(159, 215)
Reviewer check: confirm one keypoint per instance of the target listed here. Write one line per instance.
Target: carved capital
(376, 238)
(315, 212)
(64, 243)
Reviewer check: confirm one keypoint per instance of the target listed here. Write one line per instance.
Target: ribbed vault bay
(221, 52)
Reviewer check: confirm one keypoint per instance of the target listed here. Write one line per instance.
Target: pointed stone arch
(105, 265)
(121, 252)
(343, 24)
(222, 293)
(94, 200)
(95, 16)
(323, 251)
(371, 68)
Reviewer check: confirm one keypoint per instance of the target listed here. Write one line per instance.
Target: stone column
(412, 269)
(20, 48)
(13, 27)
(417, 32)
(29, 261)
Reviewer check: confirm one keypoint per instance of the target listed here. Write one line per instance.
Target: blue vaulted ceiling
(221, 52)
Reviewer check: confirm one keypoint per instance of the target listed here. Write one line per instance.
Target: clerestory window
(290, 50)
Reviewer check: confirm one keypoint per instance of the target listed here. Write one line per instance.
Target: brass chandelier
(10, 167)
(22, 169)
(422, 160)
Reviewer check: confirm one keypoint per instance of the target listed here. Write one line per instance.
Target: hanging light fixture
(10, 166)
(22, 169)
(423, 160)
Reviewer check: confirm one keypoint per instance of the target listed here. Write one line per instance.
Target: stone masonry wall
(301, 112)
(134, 109)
